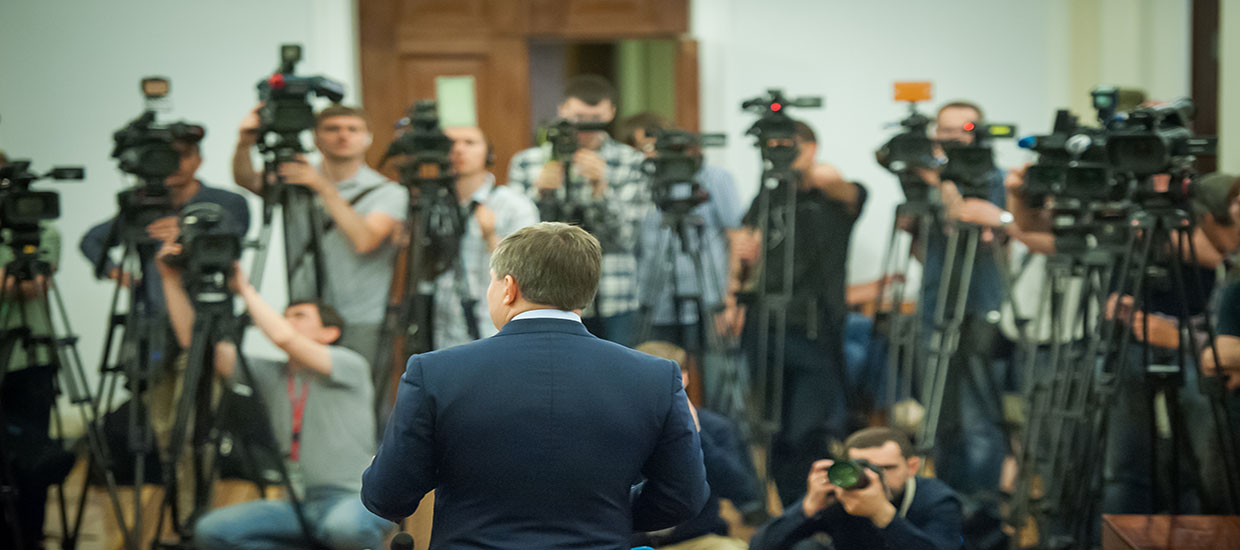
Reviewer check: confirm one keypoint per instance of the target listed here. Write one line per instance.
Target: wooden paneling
(687, 85)
(608, 19)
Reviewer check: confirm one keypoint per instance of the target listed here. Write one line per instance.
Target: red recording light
(776, 106)
(969, 126)
(276, 81)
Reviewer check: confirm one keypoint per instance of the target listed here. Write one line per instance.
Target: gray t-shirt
(358, 284)
(338, 422)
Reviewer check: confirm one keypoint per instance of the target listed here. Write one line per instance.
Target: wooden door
(405, 44)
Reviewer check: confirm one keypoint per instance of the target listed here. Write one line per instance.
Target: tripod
(303, 225)
(1159, 228)
(214, 322)
(682, 234)
(435, 223)
(903, 329)
(66, 363)
(1055, 391)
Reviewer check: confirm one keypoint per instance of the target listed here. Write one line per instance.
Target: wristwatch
(1006, 219)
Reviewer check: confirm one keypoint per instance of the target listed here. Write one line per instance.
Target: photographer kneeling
(325, 426)
(896, 509)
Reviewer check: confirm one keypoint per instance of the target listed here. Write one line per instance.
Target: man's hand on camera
(301, 173)
(247, 133)
(550, 177)
(819, 491)
(591, 166)
(164, 230)
(870, 502)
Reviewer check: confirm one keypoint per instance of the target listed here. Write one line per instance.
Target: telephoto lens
(850, 474)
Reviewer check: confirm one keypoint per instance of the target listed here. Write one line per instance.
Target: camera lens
(848, 474)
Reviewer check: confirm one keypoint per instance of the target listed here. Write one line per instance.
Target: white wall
(69, 73)
(1019, 60)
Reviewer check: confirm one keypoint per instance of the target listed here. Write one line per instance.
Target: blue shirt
(986, 284)
(717, 215)
(95, 245)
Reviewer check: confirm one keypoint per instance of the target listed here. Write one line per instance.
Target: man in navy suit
(541, 436)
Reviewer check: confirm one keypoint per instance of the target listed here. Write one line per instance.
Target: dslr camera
(850, 474)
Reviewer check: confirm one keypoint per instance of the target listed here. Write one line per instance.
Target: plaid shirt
(614, 220)
(513, 210)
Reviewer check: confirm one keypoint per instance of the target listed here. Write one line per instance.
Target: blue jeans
(337, 519)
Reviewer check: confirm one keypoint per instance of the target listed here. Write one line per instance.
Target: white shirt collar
(548, 314)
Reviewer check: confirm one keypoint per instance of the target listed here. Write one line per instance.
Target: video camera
(423, 145)
(210, 246)
(148, 150)
(911, 148)
(775, 131)
(1072, 165)
(427, 166)
(21, 208)
(1155, 140)
(286, 109)
(145, 148)
(674, 167)
(969, 165)
(563, 136)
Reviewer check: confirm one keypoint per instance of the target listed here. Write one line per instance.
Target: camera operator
(28, 394)
(720, 215)
(815, 402)
(320, 404)
(496, 211)
(896, 509)
(612, 173)
(729, 471)
(184, 188)
(971, 444)
(365, 208)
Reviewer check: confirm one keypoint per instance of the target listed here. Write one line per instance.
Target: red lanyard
(299, 412)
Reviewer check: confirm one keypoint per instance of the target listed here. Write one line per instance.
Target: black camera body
(1155, 140)
(209, 244)
(1072, 166)
(563, 136)
(22, 210)
(775, 131)
(286, 109)
(969, 165)
(674, 167)
(850, 474)
(907, 151)
(145, 149)
(425, 152)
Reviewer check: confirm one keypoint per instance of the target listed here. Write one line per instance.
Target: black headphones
(490, 152)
